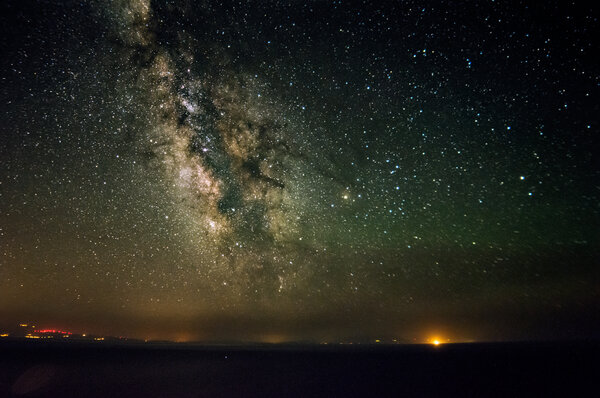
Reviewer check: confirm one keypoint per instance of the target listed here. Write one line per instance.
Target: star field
(320, 170)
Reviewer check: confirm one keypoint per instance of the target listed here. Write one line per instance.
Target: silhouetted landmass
(115, 369)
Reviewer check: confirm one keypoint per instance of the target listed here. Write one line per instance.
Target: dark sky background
(303, 170)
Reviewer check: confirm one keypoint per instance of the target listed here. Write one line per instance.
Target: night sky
(300, 170)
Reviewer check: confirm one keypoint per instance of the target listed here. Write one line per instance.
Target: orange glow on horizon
(437, 340)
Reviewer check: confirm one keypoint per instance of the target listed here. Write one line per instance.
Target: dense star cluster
(302, 170)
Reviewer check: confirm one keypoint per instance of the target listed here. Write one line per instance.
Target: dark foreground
(45, 369)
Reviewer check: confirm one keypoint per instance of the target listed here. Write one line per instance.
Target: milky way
(303, 170)
(228, 157)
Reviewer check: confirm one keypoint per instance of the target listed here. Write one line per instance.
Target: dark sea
(83, 369)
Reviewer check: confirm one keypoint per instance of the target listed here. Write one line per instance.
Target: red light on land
(53, 331)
